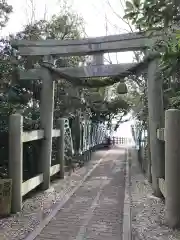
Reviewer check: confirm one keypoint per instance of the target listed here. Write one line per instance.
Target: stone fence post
(61, 146)
(172, 166)
(16, 160)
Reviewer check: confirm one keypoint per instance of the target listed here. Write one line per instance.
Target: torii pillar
(156, 121)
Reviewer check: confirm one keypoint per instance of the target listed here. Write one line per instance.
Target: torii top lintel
(88, 46)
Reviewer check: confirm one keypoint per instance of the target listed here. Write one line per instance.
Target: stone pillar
(149, 174)
(156, 120)
(46, 120)
(16, 160)
(61, 146)
(172, 166)
(98, 59)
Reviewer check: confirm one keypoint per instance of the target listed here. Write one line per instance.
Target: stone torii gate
(97, 47)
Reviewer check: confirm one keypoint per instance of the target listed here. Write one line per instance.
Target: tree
(154, 17)
(5, 10)
(70, 100)
(164, 16)
(24, 96)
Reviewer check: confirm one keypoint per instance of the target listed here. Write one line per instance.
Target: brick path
(95, 211)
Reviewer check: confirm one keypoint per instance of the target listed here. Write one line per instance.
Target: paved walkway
(95, 210)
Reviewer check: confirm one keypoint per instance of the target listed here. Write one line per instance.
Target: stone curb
(127, 223)
(59, 205)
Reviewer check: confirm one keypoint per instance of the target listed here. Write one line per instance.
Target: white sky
(96, 13)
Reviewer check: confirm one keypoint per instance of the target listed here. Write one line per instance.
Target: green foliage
(151, 17)
(5, 10)
(147, 15)
(24, 96)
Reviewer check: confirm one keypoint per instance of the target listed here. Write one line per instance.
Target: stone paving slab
(39, 206)
(95, 210)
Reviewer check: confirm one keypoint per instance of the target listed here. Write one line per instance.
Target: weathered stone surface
(40, 205)
(95, 211)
